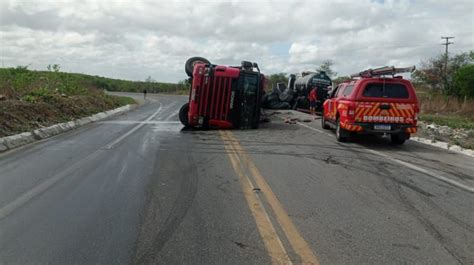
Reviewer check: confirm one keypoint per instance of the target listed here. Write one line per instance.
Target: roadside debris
(240, 245)
(295, 95)
(290, 120)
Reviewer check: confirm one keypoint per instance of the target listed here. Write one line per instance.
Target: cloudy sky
(136, 39)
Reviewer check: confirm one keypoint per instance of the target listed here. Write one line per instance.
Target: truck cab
(373, 103)
(223, 97)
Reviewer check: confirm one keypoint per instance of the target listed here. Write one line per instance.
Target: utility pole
(447, 43)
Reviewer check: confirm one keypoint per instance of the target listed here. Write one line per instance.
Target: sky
(135, 39)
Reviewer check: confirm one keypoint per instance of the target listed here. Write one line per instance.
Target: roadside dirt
(434, 132)
(18, 116)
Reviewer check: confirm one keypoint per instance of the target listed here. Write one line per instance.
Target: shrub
(464, 81)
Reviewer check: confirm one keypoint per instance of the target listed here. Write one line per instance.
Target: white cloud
(136, 39)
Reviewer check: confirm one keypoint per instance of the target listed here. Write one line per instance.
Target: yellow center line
(297, 242)
(267, 231)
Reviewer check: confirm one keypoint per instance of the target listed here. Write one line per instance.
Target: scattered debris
(241, 245)
(444, 134)
(290, 121)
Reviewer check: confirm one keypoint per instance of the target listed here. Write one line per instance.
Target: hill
(33, 99)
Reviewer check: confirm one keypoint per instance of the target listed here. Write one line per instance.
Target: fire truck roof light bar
(386, 70)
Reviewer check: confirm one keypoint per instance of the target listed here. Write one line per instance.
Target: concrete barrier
(17, 140)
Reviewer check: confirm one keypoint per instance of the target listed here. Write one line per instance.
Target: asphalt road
(137, 189)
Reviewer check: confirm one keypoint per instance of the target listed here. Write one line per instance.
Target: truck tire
(189, 65)
(341, 134)
(278, 105)
(286, 97)
(324, 125)
(183, 114)
(399, 139)
(273, 97)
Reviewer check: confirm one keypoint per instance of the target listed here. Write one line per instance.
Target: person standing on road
(144, 94)
(312, 100)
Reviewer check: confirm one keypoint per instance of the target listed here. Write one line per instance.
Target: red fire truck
(373, 104)
(222, 97)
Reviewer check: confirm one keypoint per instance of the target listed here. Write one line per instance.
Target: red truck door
(333, 102)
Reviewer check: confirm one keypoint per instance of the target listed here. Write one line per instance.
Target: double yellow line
(249, 174)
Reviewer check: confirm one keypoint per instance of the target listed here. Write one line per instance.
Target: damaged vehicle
(222, 97)
(295, 95)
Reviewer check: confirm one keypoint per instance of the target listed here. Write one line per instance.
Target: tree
(273, 79)
(464, 81)
(336, 81)
(326, 66)
(149, 80)
(434, 74)
(183, 85)
(53, 68)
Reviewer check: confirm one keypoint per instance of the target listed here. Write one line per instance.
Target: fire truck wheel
(341, 134)
(323, 122)
(183, 114)
(189, 65)
(398, 139)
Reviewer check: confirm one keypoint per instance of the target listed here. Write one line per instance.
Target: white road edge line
(138, 122)
(422, 170)
(409, 165)
(45, 185)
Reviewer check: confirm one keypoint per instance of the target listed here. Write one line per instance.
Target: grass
(34, 99)
(449, 111)
(125, 100)
(452, 121)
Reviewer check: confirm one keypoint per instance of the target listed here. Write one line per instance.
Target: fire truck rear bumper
(395, 128)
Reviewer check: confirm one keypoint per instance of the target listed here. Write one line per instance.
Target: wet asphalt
(137, 189)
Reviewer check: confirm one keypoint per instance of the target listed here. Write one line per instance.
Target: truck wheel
(341, 134)
(399, 139)
(323, 121)
(189, 65)
(183, 114)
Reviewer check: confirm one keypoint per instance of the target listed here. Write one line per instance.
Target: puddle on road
(167, 127)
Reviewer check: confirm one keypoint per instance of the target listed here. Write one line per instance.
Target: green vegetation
(464, 81)
(336, 81)
(273, 79)
(33, 99)
(326, 66)
(449, 120)
(451, 76)
(138, 86)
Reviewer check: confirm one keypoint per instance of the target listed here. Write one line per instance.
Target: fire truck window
(347, 90)
(380, 90)
(334, 91)
(339, 91)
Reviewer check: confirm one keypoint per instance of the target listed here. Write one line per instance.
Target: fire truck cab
(373, 104)
(222, 97)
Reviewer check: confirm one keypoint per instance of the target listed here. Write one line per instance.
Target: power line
(447, 43)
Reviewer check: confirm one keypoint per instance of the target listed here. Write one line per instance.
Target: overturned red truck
(222, 97)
